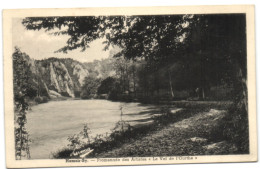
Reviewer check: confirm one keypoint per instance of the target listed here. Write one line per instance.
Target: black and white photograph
(129, 88)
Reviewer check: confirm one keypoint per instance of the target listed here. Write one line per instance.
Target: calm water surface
(50, 124)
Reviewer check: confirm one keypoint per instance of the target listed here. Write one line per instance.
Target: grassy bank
(195, 130)
(195, 135)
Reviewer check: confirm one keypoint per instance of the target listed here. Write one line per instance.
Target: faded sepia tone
(129, 86)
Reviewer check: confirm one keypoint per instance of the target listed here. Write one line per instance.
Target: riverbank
(196, 135)
(195, 129)
(61, 98)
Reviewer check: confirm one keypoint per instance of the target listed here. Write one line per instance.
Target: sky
(42, 45)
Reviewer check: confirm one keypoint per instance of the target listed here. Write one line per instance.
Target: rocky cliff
(58, 76)
(55, 77)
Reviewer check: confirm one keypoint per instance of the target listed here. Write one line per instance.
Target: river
(51, 123)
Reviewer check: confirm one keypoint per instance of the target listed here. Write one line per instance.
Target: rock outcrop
(80, 73)
(58, 77)
(55, 77)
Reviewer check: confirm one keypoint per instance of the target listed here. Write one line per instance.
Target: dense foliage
(106, 86)
(90, 87)
(22, 90)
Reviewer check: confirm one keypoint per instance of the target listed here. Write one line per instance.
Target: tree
(122, 69)
(133, 74)
(217, 43)
(106, 85)
(22, 89)
(90, 87)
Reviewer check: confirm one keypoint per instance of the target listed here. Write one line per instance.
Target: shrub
(45, 99)
(65, 94)
(120, 130)
(165, 116)
(62, 153)
(107, 85)
(235, 128)
(38, 100)
(77, 93)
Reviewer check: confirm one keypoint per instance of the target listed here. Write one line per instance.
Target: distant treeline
(143, 81)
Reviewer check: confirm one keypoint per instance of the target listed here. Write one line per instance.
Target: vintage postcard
(129, 86)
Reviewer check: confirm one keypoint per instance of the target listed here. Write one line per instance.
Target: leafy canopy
(138, 36)
(214, 44)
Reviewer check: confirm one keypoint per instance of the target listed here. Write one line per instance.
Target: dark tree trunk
(170, 82)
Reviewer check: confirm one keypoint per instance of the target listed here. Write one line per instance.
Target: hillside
(55, 77)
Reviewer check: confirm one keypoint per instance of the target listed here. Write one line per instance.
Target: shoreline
(178, 103)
